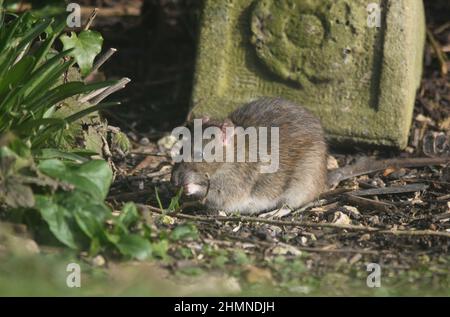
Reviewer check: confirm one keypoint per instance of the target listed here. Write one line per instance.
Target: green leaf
(31, 126)
(56, 217)
(32, 33)
(134, 246)
(84, 153)
(90, 218)
(67, 90)
(17, 74)
(89, 110)
(93, 177)
(14, 158)
(160, 248)
(158, 199)
(99, 173)
(43, 9)
(86, 47)
(69, 215)
(183, 232)
(175, 201)
(51, 153)
(129, 214)
(44, 72)
(241, 258)
(10, 32)
(19, 147)
(44, 48)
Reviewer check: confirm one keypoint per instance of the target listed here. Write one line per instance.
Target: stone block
(354, 63)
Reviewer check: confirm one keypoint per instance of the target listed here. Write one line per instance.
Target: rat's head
(199, 163)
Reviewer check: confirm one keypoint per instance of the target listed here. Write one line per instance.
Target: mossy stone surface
(360, 80)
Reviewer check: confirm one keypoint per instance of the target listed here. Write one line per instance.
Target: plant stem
(101, 60)
(90, 19)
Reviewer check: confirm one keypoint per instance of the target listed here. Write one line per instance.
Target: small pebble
(144, 141)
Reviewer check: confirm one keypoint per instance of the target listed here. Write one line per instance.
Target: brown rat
(242, 186)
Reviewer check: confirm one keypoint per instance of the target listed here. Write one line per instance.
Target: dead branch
(110, 90)
(442, 28)
(442, 58)
(443, 198)
(102, 59)
(113, 12)
(91, 95)
(90, 19)
(390, 190)
(369, 203)
(293, 223)
(306, 249)
(136, 152)
(367, 166)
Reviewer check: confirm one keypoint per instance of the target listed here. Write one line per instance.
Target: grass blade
(89, 110)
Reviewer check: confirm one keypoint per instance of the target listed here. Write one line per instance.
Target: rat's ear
(227, 128)
(205, 119)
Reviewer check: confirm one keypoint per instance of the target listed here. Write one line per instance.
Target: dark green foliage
(69, 196)
(33, 78)
(61, 192)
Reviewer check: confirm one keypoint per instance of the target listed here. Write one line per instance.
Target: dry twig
(367, 166)
(90, 19)
(442, 58)
(390, 190)
(369, 203)
(110, 90)
(294, 223)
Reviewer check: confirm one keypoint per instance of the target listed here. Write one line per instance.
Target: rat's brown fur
(241, 187)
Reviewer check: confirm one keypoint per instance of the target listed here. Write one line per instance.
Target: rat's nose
(190, 189)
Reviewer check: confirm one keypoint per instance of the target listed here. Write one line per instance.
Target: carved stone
(355, 63)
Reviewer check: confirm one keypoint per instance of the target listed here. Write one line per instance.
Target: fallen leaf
(364, 237)
(355, 258)
(277, 213)
(332, 163)
(374, 220)
(166, 143)
(389, 171)
(236, 229)
(283, 249)
(341, 218)
(445, 124)
(421, 118)
(352, 210)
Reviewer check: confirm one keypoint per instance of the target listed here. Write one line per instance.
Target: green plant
(59, 193)
(174, 204)
(68, 196)
(40, 7)
(39, 88)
